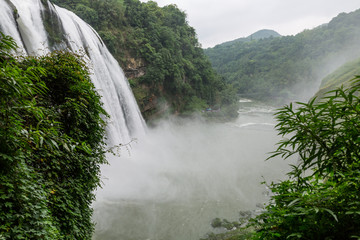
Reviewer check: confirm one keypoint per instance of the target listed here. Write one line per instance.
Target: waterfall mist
(178, 176)
(185, 173)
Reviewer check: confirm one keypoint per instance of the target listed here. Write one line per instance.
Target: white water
(179, 176)
(186, 173)
(29, 32)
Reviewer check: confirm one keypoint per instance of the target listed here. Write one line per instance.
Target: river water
(171, 184)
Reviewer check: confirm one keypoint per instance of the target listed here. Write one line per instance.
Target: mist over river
(184, 173)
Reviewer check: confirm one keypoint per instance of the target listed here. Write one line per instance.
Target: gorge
(168, 181)
(180, 171)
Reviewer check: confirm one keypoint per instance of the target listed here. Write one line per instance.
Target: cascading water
(181, 174)
(39, 27)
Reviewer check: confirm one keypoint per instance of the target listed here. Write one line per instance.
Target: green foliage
(161, 40)
(315, 209)
(218, 223)
(51, 145)
(280, 68)
(88, 14)
(194, 104)
(325, 135)
(320, 200)
(172, 53)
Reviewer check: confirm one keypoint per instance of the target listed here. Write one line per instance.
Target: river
(184, 173)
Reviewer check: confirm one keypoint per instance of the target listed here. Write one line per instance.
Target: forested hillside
(287, 67)
(159, 53)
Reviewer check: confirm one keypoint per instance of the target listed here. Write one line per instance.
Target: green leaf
(66, 147)
(294, 202)
(54, 143)
(332, 214)
(8, 204)
(298, 235)
(41, 141)
(316, 209)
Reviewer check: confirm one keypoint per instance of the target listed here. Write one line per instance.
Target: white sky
(218, 21)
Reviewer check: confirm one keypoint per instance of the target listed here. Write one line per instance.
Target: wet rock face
(135, 68)
(151, 101)
(149, 98)
(53, 27)
(134, 72)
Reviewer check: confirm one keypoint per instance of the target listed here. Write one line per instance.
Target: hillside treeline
(287, 67)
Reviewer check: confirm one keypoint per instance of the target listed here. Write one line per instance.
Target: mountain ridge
(260, 34)
(288, 67)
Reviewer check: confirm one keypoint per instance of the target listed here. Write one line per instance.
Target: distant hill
(288, 67)
(264, 33)
(261, 34)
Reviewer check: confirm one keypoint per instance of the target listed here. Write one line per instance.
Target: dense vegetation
(51, 145)
(320, 199)
(159, 53)
(285, 67)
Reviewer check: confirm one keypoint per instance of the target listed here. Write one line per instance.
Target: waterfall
(184, 172)
(39, 27)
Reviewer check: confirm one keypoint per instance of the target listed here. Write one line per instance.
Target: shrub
(321, 198)
(51, 145)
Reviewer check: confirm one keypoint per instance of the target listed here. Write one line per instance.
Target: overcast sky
(217, 21)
